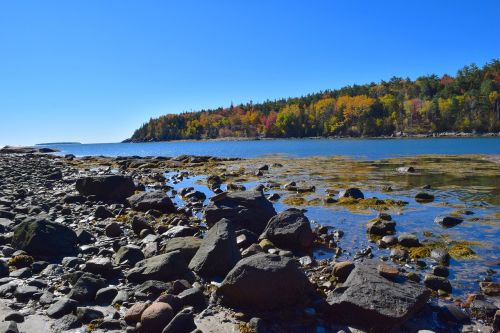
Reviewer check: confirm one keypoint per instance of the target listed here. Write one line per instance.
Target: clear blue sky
(93, 71)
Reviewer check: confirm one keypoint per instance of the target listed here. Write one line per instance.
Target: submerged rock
(247, 210)
(368, 300)
(264, 282)
(290, 230)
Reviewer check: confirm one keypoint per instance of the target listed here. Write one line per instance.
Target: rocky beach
(270, 244)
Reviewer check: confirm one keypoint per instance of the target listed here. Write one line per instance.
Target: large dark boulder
(264, 282)
(40, 237)
(108, 187)
(247, 210)
(370, 301)
(164, 267)
(86, 287)
(218, 252)
(156, 200)
(290, 230)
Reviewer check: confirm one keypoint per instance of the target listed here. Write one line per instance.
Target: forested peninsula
(467, 102)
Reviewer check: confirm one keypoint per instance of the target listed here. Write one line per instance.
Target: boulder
(264, 282)
(247, 210)
(290, 230)
(341, 270)
(163, 267)
(133, 314)
(86, 287)
(130, 254)
(156, 317)
(218, 252)
(381, 227)
(370, 301)
(156, 200)
(183, 322)
(186, 245)
(39, 237)
(108, 187)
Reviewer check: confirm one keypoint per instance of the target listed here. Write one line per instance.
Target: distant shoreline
(395, 136)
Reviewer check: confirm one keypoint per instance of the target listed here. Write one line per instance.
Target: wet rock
(183, 322)
(441, 271)
(4, 269)
(187, 246)
(387, 241)
(156, 200)
(129, 254)
(424, 197)
(483, 308)
(437, 283)
(290, 230)
(370, 301)
(352, 192)
(441, 256)
(381, 227)
(247, 210)
(341, 270)
(39, 237)
(490, 288)
(387, 271)
(108, 187)
(156, 317)
(133, 314)
(163, 267)
(264, 282)
(218, 252)
(408, 240)
(62, 307)
(448, 221)
(452, 314)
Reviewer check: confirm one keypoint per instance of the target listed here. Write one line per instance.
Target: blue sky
(93, 71)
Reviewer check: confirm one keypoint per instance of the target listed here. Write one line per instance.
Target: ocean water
(372, 149)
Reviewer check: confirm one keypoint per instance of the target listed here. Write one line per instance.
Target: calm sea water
(356, 148)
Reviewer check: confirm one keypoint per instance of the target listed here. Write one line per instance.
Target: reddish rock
(156, 317)
(133, 314)
(387, 271)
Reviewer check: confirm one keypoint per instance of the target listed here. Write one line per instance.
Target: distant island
(467, 102)
(58, 143)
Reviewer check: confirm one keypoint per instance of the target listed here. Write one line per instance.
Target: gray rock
(86, 287)
(193, 297)
(108, 187)
(39, 237)
(218, 252)
(106, 295)
(68, 322)
(156, 200)
(408, 240)
(369, 301)
(290, 230)
(264, 282)
(151, 289)
(99, 265)
(129, 254)
(163, 267)
(113, 230)
(11, 327)
(441, 256)
(61, 307)
(14, 316)
(179, 231)
(247, 210)
(86, 314)
(381, 227)
(183, 322)
(187, 246)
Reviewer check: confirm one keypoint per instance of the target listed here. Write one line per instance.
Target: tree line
(466, 102)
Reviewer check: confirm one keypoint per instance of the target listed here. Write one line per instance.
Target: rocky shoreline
(99, 244)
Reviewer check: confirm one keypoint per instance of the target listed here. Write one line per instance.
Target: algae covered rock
(40, 237)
